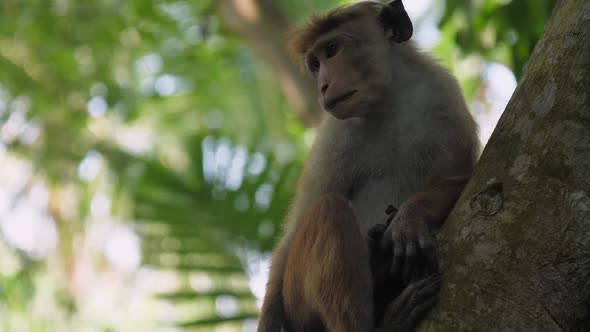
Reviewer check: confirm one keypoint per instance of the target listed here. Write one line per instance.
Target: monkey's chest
(371, 198)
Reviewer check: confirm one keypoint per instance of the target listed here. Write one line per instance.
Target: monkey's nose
(324, 88)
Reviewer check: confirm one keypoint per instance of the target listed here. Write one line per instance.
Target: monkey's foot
(412, 305)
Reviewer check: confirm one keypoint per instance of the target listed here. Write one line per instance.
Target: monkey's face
(351, 67)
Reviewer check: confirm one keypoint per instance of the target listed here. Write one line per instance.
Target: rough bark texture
(516, 250)
(263, 26)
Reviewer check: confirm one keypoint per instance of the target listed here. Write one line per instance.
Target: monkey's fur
(399, 134)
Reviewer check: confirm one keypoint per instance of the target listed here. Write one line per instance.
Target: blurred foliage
(198, 149)
(500, 31)
(505, 31)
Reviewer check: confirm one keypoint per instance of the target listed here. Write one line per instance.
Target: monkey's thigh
(327, 283)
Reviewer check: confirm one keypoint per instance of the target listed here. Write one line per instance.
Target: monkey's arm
(434, 202)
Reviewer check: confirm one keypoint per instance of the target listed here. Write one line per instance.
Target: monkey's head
(351, 53)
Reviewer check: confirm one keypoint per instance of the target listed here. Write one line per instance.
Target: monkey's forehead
(363, 7)
(303, 38)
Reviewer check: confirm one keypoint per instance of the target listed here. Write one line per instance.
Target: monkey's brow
(351, 36)
(319, 45)
(324, 42)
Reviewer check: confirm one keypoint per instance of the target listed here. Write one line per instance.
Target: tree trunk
(516, 249)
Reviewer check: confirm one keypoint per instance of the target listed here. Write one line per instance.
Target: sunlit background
(149, 149)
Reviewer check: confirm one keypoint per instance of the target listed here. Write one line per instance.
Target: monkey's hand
(407, 310)
(412, 245)
(380, 259)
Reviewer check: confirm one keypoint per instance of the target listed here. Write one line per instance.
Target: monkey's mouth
(335, 101)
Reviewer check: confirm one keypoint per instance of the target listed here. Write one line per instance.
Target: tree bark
(262, 25)
(516, 249)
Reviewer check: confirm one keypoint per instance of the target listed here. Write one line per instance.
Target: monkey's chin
(341, 113)
(345, 110)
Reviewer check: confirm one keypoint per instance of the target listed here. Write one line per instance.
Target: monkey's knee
(317, 256)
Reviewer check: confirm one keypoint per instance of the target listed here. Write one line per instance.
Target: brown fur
(302, 38)
(328, 234)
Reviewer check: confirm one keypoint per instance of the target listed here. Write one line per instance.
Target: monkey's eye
(313, 64)
(331, 50)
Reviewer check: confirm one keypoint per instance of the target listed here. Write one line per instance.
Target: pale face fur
(349, 83)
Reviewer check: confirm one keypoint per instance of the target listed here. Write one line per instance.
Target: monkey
(398, 132)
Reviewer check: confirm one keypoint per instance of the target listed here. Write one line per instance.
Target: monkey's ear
(394, 17)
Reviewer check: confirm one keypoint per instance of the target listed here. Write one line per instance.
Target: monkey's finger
(373, 241)
(423, 284)
(425, 295)
(419, 271)
(425, 269)
(426, 241)
(420, 310)
(430, 285)
(428, 251)
(399, 255)
(410, 262)
(386, 240)
(432, 262)
(419, 290)
(376, 232)
(404, 298)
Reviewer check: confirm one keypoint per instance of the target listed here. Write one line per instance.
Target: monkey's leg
(328, 274)
(271, 313)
